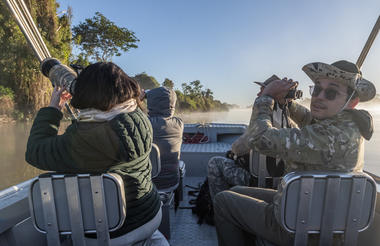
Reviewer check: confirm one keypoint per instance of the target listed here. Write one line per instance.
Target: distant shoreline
(5, 119)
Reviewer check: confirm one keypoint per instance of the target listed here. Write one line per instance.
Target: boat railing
(216, 132)
(15, 189)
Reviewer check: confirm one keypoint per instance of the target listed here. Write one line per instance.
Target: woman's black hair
(103, 85)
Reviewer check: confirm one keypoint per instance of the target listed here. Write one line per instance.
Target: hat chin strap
(346, 104)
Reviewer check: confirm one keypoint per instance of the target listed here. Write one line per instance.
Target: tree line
(23, 89)
(191, 97)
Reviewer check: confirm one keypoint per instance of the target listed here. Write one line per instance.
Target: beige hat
(268, 81)
(344, 72)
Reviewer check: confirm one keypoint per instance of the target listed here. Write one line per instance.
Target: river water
(13, 138)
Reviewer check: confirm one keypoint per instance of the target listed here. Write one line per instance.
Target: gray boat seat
(169, 194)
(258, 169)
(75, 204)
(327, 203)
(179, 185)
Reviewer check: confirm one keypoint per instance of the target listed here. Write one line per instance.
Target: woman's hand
(59, 97)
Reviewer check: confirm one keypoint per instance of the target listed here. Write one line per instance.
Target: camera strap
(285, 116)
(276, 168)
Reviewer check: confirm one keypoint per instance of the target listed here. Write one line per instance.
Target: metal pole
(31, 33)
(24, 27)
(34, 29)
(369, 43)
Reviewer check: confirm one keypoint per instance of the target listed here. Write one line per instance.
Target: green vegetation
(192, 97)
(146, 82)
(100, 39)
(6, 92)
(24, 90)
(6, 100)
(19, 68)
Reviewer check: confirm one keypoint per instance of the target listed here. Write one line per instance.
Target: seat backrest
(327, 203)
(155, 160)
(77, 204)
(258, 167)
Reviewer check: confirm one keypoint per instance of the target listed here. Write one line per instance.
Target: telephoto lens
(59, 74)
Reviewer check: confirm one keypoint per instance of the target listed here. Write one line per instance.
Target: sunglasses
(330, 93)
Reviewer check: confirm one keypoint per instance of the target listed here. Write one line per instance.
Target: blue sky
(228, 44)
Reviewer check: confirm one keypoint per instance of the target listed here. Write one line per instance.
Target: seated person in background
(330, 138)
(225, 172)
(167, 134)
(111, 134)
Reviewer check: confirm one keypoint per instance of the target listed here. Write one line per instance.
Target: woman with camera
(111, 134)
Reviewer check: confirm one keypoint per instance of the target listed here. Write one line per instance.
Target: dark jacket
(167, 134)
(121, 145)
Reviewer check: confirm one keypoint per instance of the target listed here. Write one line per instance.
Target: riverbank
(6, 119)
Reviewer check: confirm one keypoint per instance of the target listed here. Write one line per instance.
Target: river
(13, 138)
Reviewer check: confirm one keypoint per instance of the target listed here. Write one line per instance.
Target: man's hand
(59, 97)
(278, 89)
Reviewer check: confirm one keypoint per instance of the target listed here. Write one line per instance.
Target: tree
(100, 39)
(168, 83)
(196, 88)
(146, 82)
(194, 98)
(187, 90)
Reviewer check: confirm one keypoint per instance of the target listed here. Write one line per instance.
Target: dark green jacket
(121, 145)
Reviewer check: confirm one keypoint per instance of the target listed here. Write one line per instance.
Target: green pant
(245, 212)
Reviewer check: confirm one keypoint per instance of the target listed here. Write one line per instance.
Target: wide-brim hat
(343, 72)
(268, 81)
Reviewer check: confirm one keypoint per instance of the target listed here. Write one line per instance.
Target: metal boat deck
(184, 228)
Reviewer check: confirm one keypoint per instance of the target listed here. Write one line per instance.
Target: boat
(17, 227)
(202, 141)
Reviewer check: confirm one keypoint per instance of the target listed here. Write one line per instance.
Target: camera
(294, 94)
(59, 74)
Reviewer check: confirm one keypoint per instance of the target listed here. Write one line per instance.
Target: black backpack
(203, 204)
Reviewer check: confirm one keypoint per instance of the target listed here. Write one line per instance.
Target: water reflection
(14, 169)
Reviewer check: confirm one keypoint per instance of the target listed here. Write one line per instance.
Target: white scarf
(96, 115)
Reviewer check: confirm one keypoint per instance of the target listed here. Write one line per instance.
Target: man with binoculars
(329, 138)
(233, 169)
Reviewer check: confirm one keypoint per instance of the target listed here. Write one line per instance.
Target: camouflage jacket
(333, 144)
(240, 147)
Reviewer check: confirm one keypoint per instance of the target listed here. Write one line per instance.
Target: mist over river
(13, 138)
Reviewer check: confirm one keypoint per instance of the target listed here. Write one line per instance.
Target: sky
(229, 44)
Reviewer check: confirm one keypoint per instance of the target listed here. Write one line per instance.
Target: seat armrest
(155, 160)
(182, 168)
